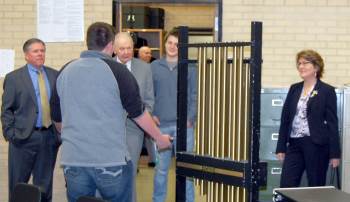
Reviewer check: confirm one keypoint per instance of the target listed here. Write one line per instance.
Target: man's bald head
(145, 54)
(124, 46)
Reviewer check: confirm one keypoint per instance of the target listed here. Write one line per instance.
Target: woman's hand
(280, 156)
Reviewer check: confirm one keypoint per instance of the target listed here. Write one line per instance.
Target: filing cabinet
(272, 100)
(274, 170)
(268, 142)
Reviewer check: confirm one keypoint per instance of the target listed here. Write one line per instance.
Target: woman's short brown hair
(313, 57)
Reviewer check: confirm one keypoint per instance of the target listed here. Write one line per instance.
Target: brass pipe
(233, 191)
(199, 126)
(229, 111)
(216, 191)
(212, 191)
(204, 90)
(215, 127)
(247, 112)
(203, 135)
(221, 188)
(217, 101)
(211, 119)
(214, 89)
(210, 130)
(239, 105)
(223, 113)
(200, 105)
(234, 101)
(239, 114)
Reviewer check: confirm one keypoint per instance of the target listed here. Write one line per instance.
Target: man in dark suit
(26, 121)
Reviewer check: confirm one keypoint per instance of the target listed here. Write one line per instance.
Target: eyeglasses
(303, 63)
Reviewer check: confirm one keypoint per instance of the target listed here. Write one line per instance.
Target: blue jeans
(113, 183)
(163, 163)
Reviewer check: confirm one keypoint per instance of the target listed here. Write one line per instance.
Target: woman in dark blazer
(308, 136)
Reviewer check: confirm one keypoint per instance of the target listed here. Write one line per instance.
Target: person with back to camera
(308, 136)
(92, 97)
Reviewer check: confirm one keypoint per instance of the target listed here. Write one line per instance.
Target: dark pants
(37, 156)
(303, 155)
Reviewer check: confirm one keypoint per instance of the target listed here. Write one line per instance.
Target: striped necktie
(45, 107)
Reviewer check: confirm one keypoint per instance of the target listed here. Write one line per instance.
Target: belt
(40, 128)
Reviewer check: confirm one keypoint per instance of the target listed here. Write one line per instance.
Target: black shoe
(151, 164)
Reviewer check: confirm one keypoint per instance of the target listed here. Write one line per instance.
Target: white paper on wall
(60, 20)
(7, 61)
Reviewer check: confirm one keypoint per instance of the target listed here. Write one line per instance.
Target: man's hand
(164, 142)
(58, 126)
(156, 120)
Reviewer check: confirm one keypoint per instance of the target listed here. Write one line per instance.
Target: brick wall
(290, 26)
(17, 24)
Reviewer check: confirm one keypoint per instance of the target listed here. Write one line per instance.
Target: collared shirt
(128, 63)
(34, 73)
(300, 126)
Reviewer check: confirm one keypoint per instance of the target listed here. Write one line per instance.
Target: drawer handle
(274, 136)
(276, 171)
(277, 102)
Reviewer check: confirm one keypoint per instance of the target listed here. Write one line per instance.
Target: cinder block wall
(18, 23)
(290, 26)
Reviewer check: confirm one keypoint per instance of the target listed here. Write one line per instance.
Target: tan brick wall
(290, 26)
(18, 23)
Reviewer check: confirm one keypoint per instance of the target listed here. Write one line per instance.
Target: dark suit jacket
(321, 116)
(19, 108)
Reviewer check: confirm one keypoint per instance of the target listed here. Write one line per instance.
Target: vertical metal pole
(255, 78)
(220, 21)
(182, 107)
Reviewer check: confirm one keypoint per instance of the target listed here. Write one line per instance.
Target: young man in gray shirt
(164, 114)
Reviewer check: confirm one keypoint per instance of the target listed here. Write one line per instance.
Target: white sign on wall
(60, 20)
(7, 61)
